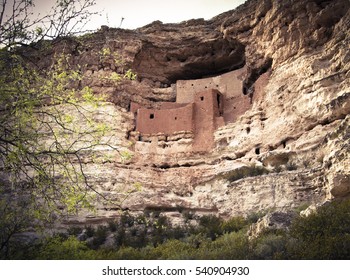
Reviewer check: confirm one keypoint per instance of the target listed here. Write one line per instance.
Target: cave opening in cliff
(196, 60)
(284, 144)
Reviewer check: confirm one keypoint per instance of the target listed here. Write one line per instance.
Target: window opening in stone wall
(257, 151)
(202, 98)
(175, 118)
(151, 116)
(218, 99)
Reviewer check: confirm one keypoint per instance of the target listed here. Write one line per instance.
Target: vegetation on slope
(321, 235)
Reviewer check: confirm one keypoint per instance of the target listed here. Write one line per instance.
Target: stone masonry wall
(229, 84)
(167, 121)
(207, 110)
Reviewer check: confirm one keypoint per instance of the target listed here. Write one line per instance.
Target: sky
(137, 13)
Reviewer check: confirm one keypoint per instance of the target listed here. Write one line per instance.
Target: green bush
(230, 246)
(112, 226)
(99, 237)
(269, 246)
(246, 171)
(74, 230)
(127, 220)
(71, 249)
(234, 224)
(173, 250)
(160, 228)
(120, 237)
(301, 207)
(253, 217)
(89, 231)
(210, 225)
(128, 253)
(187, 215)
(324, 234)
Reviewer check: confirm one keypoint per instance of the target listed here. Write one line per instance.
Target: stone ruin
(201, 107)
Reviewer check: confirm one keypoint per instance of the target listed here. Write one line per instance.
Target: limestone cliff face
(283, 67)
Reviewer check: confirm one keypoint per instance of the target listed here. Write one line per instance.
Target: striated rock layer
(283, 69)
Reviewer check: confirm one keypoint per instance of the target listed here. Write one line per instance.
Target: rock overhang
(192, 60)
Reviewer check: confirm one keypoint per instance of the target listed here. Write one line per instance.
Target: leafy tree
(21, 25)
(47, 125)
(14, 215)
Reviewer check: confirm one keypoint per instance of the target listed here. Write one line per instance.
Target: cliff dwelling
(189, 123)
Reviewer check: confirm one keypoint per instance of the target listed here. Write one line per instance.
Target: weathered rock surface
(289, 146)
(272, 221)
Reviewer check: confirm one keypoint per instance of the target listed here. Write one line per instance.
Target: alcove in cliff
(193, 59)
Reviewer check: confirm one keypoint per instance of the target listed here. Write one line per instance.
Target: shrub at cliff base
(322, 235)
(270, 246)
(70, 249)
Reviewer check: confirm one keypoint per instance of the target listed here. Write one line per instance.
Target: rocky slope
(291, 147)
